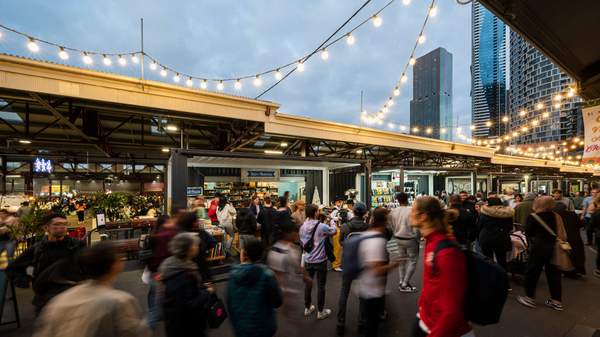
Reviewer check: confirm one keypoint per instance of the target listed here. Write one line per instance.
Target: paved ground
(581, 299)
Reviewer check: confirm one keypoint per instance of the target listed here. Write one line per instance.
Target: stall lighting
(24, 141)
(273, 152)
(13, 176)
(359, 151)
(171, 127)
(283, 144)
(165, 149)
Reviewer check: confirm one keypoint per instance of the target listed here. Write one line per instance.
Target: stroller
(519, 256)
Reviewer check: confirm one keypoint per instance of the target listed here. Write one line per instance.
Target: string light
(488, 124)
(324, 55)
(257, 81)
(539, 106)
(396, 91)
(135, 59)
(278, 75)
(220, 86)
(412, 61)
(505, 119)
(122, 61)
(433, 11)
(522, 113)
(87, 59)
(428, 131)
(421, 39)
(62, 53)
(406, 2)
(300, 66)
(176, 78)
(204, 84)
(237, 85)
(163, 72)
(189, 82)
(404, 78)
(350, 40)
(377, 20)
(153, 65)
(106, 60)
(33, 46)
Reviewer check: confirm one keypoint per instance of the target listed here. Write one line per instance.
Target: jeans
(537, 262)
(320, 269)
(416, 329)
(372, 310)
(154, 307)
(407, 248)
(230, 235)
(343, 301)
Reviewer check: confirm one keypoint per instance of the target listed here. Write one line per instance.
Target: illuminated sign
(41, 165)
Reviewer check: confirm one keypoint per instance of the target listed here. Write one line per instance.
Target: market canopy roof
(565, 31)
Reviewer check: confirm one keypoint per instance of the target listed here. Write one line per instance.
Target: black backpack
(487, 287)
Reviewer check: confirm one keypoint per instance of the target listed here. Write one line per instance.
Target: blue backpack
(351, 268)
(487, 287)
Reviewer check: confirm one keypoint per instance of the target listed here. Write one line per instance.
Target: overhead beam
(68, 123)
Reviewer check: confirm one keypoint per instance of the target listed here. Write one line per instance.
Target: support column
(368, 191)
(527, 179)
(3, 190)
(402, 178)
(473, 182)
(177, 180)
(325, 200)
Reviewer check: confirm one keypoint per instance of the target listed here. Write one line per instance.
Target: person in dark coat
(55, 262)
(265, 219)
(573, 226)
(187, 223)
(541, 250)
(245, 222)
(495, 224)
(185, 297)
(464, 225)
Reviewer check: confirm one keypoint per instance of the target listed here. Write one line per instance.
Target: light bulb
(379, 122)
(558, 97)
(87, 59)
(403, 78)
(204, 84)
(428, 131)
(522, 113)
(377, 20)
(106, 60)
(443, 130)
(350, 39)
(278, 75)
(237, 85)
(421, 39)
(488, 124)
(385, 109)
(324, 55)
(396, 92)
(535, 122)
(472, 127)
(433, 11)
(412, 61)
(300, 66)
(539, 106)
(391, 125)
(390, 102)
(524, 128)
(63, 54)
(189, 82)
(163, 72)
(153, 65)
(220, 86)
(176, 78)
(557, 105)
(135, 59)
(257, 81)
(545, 115)
(122, 61)
(0, 35)
(406, 2)
(33, 46)
(505, 119)
(415, 129)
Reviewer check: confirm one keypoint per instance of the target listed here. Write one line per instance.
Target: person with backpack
(541, 229)
(55, 262)
(373, 261)
(443, 298)
(253, 295)
(356, 225)
(313, 234)
(340, 216)
(407, 239)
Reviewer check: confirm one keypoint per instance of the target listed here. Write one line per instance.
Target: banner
(591, 123)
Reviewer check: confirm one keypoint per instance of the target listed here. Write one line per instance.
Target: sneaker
(553, 305)
(338, 269)
(309, 311)
(526, 301)
(323, 314)
(407, 288)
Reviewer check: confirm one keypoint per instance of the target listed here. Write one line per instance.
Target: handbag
(216, 313)
(560, 257)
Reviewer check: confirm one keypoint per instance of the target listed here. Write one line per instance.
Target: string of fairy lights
(108, 59)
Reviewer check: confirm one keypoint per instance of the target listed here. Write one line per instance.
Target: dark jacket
(252, 296)
(524, 209)
(595, 221)
(495, 224)
(573, 226)
(55, 265)
(159, 243)
(184, 299)
(356, 224)
(464, 225)
(254, 210)
(265, 219)
(541, 243)
(245, 222)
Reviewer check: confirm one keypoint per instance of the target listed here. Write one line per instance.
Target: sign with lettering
(195, 191)
(41, 165)
(591, 123)
(260, 174)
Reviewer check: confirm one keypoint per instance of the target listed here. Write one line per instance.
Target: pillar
(368, 192)
(177, 181)
(473, 182)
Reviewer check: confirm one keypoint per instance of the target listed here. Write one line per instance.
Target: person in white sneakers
(407, 238)
(313, 234)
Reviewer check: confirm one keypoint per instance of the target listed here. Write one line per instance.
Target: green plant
(31, 225)
(112, 205)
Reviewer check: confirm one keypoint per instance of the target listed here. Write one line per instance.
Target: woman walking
(495, 224)
(225, 214)
(541, 246)
(442, 301)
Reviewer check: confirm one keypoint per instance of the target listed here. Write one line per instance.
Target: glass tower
(431, 106)
(488, 73)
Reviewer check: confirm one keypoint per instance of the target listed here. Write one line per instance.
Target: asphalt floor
(580, 318)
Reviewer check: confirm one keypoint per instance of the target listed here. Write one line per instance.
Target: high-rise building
(534, 81)
(431, 106)
(488, 73)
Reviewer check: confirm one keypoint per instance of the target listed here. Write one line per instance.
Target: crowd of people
(286, 251)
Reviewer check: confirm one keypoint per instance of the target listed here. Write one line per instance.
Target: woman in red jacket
(442, 301)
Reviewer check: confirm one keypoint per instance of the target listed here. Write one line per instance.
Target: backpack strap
(444, 244)
(544, 224)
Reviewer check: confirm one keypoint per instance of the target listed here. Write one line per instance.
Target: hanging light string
(381, 113)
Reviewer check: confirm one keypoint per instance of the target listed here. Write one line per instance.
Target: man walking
(587, 216)
(408, 242)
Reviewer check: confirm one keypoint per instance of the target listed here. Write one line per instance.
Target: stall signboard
(195, 191)
(100, 220)
(591, 123)
(41, 165)
(259, 174)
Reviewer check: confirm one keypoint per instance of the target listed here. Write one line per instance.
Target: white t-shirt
(371, 250)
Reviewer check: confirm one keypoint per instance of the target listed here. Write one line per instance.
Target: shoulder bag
(562, 248)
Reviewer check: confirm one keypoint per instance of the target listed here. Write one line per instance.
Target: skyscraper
(488, 73)
(431, 106)
(534, 80)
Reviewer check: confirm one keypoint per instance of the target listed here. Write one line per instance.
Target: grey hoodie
(356, 224)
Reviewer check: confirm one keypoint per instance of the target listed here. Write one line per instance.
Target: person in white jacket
(226, 214)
